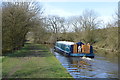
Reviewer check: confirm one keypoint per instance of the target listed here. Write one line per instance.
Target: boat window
(67, 48)
(59, 45)
(62, 46)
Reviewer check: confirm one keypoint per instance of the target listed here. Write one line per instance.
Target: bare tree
(74, 22)
(39, 32)
(17, 18)
(89, 22)
(56, 26)
(84, 26)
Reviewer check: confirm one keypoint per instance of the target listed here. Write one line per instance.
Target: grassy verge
(33, 61)
(0, 67)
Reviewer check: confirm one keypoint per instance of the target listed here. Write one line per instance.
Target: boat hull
(91, 55)
(61, 51)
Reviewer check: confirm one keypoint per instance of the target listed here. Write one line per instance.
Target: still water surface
(102, 66)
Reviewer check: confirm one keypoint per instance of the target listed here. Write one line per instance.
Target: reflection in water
(98, 67)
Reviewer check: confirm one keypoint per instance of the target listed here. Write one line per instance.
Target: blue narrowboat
(74, 49)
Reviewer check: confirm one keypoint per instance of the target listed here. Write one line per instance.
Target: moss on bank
(33, 61)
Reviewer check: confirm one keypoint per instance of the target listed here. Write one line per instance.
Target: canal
(102, 66)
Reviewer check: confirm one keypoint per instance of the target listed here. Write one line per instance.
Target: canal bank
(32, 61)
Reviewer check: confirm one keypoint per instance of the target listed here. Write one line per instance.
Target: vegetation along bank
(33, 61)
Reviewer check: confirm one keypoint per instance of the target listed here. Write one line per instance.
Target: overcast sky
(105, 10)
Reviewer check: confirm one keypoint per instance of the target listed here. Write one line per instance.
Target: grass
(0, 67)
(33, 61)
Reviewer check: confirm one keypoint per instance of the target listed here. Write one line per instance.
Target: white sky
(66, 8)
(105, 10)
(62, 0)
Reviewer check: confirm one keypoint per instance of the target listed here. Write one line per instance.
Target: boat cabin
(74, 49)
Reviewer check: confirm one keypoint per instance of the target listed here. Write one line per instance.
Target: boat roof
(66, 42)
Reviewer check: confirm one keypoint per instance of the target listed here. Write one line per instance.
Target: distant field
(33, 61)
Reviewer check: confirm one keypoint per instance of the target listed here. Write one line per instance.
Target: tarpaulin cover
(79, 43)
(91, 49)
(71, 48)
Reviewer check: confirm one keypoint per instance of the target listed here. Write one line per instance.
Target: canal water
(102, 66)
